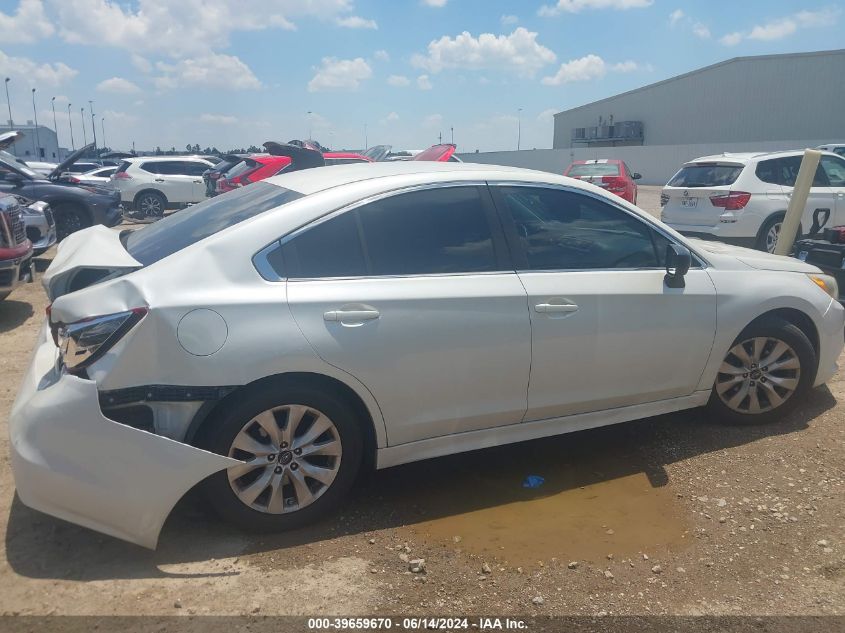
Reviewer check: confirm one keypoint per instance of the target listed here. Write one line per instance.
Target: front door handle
(555, 307)
(159, 179)
(350, 315)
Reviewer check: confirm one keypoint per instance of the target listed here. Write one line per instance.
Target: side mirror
(678, 261)
(636, 175)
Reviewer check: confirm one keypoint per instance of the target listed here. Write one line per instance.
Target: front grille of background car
(16, 225)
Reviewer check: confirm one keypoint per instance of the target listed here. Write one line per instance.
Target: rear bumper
(744, 231)
(72, 462)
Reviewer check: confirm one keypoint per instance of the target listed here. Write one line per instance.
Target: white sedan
(269, 342)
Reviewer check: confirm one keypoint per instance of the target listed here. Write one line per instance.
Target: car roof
(744, 158)
(310, 181)
(158, 159)
(598, 161)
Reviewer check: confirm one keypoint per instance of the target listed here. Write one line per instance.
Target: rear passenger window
(564, 230)
(151, 167)
(435, 231)
(329, 249)
(784, 171)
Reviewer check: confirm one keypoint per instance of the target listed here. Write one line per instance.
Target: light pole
(70, 125)
(103, 125)
(35, 115)
(55, 126)
(310, 123)
(518, 128)
(366, 141)
(93, 126)
(84, 135)
(9, 103)
(452, 132)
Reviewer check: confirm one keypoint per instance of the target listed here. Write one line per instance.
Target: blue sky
(229, 73)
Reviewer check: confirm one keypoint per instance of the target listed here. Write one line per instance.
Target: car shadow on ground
(42, 547)
(13, 313)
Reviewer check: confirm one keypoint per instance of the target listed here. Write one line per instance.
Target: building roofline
(732, 60)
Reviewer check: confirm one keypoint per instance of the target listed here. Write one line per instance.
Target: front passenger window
(565, 230)
(834, 168)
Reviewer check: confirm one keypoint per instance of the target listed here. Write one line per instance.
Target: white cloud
(588, 68)
(780, 28)
(28, 24)
(424, 83)
(182, 27)
(576, 6)
(676, 16)
(114, 116)
(219, 119)
(390, 118)
(382, 56)
(35, 73)
(701, 31)
(398, 81)
(118, 85)
(213, 70)
(547, 115)
(356, 22)
(340, 74)
(141, 63)
(433, 120)
(518, 53)
(435, 3)
(508, 20)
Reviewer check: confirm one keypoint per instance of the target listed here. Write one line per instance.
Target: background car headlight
(826, 283)
(83, 342)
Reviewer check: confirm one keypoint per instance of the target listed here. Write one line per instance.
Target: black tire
(151, 204)
(219, 432)
(779, 330)
(69, 218)
(761, 244)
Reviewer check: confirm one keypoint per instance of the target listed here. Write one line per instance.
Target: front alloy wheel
(758, 375)
(292, 455)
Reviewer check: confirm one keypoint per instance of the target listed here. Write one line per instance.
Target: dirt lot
(667, 515)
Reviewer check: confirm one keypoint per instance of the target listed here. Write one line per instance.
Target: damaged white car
(268, 343)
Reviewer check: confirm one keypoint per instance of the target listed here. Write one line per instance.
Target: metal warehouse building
(761, 103)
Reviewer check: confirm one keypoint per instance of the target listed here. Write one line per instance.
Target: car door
(821, 196)
(413, 294)
(834, 169)
(195, 169)
(607, 331)
(174, 182)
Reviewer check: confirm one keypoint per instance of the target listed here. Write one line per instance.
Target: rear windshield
(706, 175)
(593, 169)
(183, 228)
(241, 168)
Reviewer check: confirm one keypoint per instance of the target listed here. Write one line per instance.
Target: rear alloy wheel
(151, 204)
(300, 448)
(764, 374)
(69, 219)
(767, 239)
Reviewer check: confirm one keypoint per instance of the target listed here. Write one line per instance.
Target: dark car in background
(74, 206)
(15, 247)
(211, 176)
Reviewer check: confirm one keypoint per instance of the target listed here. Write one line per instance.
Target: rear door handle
(351, 315)
(555, 307)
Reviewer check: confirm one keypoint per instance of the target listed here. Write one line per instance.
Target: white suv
(153, 184)
(742, 198)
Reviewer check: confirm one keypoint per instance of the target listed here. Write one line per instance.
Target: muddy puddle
(597, 499)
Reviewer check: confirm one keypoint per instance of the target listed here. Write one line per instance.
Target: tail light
(83, 342)
(614, 183)
(73, 179)
(121, 175)
(733, 201)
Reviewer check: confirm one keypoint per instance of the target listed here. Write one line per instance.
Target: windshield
(579, 170)
(187, 227)
(706, 175)
(7, 158)
(241, 168)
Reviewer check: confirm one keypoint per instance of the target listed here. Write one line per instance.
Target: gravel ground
(667, 515)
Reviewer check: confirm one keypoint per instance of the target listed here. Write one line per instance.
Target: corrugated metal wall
(656, 163)
(766, 98)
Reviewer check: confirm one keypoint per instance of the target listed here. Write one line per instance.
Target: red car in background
(608, 173)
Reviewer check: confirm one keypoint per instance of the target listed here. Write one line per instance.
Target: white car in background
(742, 198)
(836, 148)
(98, 176)
(152, 184)
(270, 341)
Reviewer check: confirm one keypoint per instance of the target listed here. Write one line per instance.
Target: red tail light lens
(733, 201)
(73, 179)
(121, 175)
(613, 183)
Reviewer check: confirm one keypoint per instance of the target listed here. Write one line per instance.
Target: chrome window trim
(649, 220)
